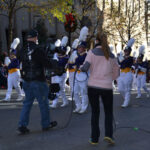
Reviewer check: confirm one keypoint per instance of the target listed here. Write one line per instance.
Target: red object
(71, 23)
(69, 18)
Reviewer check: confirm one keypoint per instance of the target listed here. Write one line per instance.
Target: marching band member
(14, 73)
(81, 77)
(141, 68)
(71, 63)
(125, 78)
(61, 78)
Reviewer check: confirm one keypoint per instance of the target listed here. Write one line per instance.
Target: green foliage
(47, 9)
(55, 8)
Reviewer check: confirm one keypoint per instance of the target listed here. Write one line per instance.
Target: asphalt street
(131, 127)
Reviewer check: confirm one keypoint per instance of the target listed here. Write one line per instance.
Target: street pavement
(131, 127)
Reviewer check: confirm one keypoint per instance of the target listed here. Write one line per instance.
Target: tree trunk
(111, 6)
(10, 30)
(133, 8)
(139, 9)
(126, 6)
(129, 29)
(100, 28)
(103, 5)
(119, 7)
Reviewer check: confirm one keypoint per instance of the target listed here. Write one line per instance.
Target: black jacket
(34, 61)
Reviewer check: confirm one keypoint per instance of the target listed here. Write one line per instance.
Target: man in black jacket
(34, 61)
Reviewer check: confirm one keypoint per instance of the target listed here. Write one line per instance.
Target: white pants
(13, 81)
(134, 83)
(125, 85)
(61, 80)
(80, 87)
(141, 83)
(71, 80)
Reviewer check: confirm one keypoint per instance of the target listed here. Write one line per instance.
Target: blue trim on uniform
(126, 63)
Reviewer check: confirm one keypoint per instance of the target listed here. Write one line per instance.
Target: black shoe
(52, 124)
(23, 130)
(93, 142)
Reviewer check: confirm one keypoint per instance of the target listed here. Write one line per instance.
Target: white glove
(55, 57)
(133, 67)
(73, 57)
(7, 61)
(143, 69)
(74, 67)
(121, 58)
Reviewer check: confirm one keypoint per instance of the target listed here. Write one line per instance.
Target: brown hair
(102, 38)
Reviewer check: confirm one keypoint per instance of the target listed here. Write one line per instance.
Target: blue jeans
(38, 90)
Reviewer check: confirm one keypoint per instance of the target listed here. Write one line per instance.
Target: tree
(47, 9)
(89, 14)
(126, 21)
(8, 7)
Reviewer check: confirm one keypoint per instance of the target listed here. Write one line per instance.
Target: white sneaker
(138, 96)
(23, 95)
(64, 104)
(82, 111)
(53, 106)
(77, 110)
(124, 106)
(20, 98)
(6, 99)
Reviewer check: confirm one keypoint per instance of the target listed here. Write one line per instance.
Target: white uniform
(124, 87)
(125, 80)
(13, 80)
(134, 83)
(80, 87)
(61, 80)
(141, 79)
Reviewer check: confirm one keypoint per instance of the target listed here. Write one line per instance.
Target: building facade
(25, 19)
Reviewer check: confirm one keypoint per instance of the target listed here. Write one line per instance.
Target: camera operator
(34, 61)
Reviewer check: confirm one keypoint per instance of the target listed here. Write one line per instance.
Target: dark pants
(3, 81)
(107, 99)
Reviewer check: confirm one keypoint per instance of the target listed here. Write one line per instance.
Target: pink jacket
(102, 71)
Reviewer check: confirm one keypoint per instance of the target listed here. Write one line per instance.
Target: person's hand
(55, 56)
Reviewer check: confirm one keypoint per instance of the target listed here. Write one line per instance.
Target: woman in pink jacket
(103, 69)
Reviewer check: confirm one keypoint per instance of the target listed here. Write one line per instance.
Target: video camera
(51, 48)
